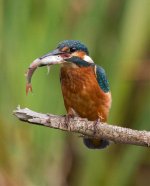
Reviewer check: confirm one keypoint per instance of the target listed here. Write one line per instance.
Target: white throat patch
(88, 59)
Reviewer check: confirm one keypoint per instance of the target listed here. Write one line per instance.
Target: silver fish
(39, 62)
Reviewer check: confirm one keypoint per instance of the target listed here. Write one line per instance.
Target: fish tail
(28, 88)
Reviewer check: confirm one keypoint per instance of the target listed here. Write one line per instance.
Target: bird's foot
(67, 120)
(48, 120)
(95, 124)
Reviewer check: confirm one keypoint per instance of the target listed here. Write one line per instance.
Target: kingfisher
(85, 87)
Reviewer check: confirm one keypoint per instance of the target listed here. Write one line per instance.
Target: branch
(85, 127)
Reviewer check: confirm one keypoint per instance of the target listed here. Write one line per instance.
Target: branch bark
(87, 128)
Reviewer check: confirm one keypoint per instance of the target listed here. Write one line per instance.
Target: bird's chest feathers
(75, 79)
(82, 93)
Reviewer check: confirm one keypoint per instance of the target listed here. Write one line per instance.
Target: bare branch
(85, 127)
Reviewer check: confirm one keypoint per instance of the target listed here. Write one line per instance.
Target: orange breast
(82, 93)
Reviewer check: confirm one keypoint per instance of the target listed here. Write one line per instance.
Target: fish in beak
(52, 58)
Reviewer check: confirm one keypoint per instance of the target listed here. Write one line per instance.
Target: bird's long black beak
(52, 58)
(55, 52)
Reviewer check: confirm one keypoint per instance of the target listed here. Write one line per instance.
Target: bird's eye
(72, 49)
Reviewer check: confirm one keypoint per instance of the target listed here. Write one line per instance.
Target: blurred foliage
(118, 36)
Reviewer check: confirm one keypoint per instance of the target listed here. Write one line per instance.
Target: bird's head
(68, 52)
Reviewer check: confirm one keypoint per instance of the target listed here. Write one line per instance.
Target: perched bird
(84, 84)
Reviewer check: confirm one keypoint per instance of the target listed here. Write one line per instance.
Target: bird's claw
(67, 120)
(95, 124)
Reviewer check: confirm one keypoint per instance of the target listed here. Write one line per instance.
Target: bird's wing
(101, 78)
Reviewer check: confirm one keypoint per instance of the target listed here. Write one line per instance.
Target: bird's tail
(95, 143)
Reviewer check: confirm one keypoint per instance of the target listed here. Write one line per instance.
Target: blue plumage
(79, 62)
(95, 144)
(102, 79)
(73, 44)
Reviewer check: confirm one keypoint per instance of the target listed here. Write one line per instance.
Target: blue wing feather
(102, 79)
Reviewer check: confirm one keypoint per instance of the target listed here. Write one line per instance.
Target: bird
(85, 87)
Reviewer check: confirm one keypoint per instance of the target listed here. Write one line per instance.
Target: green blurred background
(117, 33)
